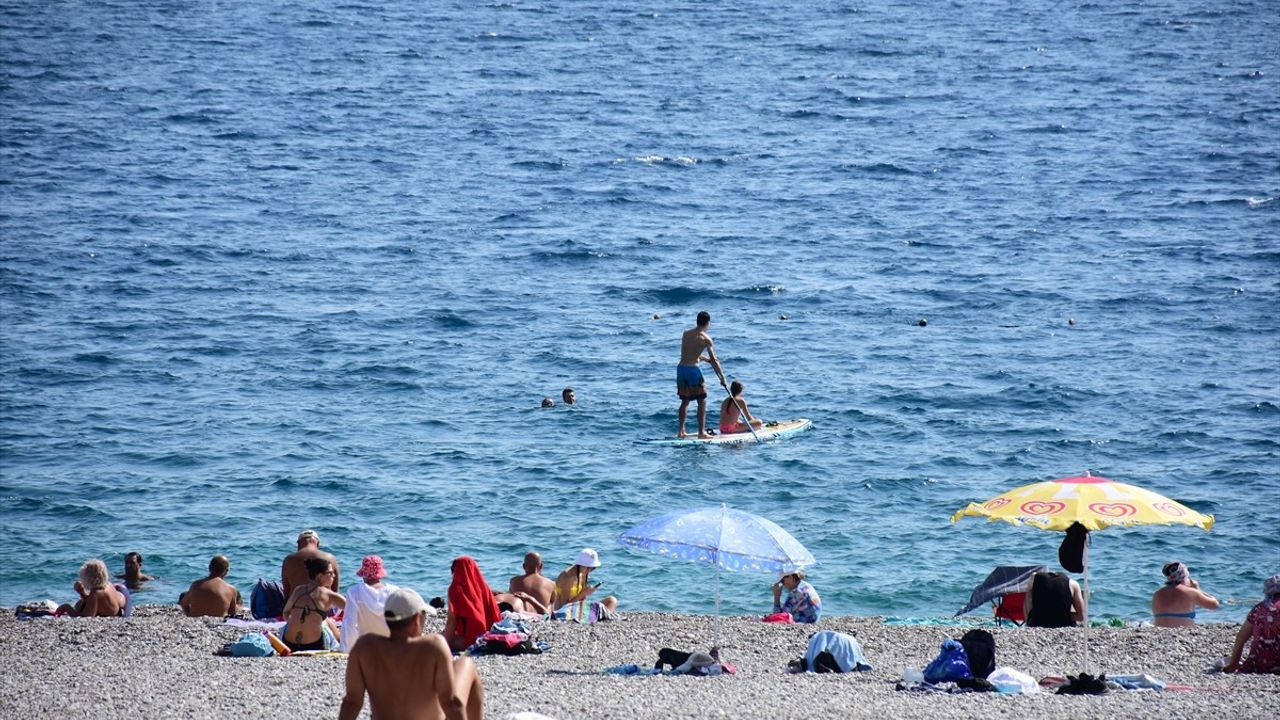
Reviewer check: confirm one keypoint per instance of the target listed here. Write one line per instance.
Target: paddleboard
(771, 431)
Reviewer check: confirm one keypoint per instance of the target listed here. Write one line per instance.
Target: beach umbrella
(1094, 502)
(725, 538)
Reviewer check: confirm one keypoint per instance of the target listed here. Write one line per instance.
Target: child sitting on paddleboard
(732, 410)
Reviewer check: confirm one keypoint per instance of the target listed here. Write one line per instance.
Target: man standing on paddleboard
(689, 382)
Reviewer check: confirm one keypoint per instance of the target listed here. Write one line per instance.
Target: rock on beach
(159, 664)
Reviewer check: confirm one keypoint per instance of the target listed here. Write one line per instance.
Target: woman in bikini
(308, 608)
(1174, 605)
(573, 586)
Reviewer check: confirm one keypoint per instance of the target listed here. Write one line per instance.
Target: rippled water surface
(285, 265)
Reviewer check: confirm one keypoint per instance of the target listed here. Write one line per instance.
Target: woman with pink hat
(365, 603)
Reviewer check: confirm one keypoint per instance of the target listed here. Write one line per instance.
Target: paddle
(741, 409)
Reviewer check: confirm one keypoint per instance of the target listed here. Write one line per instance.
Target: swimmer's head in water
(548, 402)
(568, 396)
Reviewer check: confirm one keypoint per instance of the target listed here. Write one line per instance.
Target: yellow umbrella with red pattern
(1094, 502)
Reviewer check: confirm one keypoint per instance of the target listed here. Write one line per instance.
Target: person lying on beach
(732, 410)
(573, 586)
(472, 609)
(212, 595)
(365, 602)
(1261, 629)
(1174, 605)
(1053, 601)
(533, 583)
(307, 608)
(522, 603)
(133, 576)
(802, 603)
(293, 571)
(97, 596)
(408, 674)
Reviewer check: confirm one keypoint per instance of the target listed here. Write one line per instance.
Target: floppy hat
(309, 535)
(798, 572)
(402, 605)
(371, 568)
(588, 558)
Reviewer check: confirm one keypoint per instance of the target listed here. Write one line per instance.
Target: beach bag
(779, 617)
(266, 600)
(980, 649)
(251, 645)
(950, 665)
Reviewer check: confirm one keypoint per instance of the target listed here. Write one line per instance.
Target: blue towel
(844, 648)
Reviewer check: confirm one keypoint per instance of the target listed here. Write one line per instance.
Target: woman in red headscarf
(472, 609)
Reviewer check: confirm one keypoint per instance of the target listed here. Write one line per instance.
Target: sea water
(270, 266)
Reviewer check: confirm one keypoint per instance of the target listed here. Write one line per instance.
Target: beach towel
(1137, 682)
(843, 649)
(471, 601)
(779, 617)
(251, 645)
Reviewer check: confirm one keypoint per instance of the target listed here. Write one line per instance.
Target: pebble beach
(159, 664)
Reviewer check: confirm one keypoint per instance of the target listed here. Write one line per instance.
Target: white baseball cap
(402, 605)
(588, 558)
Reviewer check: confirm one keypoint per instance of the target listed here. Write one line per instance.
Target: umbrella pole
(1085, 604)
(715, 627)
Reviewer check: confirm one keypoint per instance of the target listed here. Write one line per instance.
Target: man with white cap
(572, 585)
(410, 675)
(293, 571)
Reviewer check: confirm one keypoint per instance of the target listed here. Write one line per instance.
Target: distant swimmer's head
(548, 402)
(735, 388)
(704, 318)
(568, 396)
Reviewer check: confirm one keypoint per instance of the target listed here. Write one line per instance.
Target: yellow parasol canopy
(1094, 502)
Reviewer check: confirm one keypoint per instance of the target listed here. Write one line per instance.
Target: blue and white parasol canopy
(726, 538)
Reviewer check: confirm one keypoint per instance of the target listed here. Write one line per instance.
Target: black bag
(668, 656)
(980, 646)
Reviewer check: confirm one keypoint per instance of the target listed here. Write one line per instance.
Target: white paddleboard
(771, 431)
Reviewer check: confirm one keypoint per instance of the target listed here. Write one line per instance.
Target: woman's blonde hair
(93, 574)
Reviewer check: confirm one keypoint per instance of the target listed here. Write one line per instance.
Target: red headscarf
(470, 601)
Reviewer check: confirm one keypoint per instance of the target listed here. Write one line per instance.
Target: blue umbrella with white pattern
(721, 536)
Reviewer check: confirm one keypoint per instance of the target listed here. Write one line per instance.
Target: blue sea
(270, 266)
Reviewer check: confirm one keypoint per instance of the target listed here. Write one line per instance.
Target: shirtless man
(732, 410)
(409, 675)
(533, 585)
(689, 382)
(133, 576)
(212, 596)
(293, 572)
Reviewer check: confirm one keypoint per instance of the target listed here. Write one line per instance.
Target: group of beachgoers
(389, 657)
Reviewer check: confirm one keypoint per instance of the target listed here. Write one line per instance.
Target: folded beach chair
(1006, 589)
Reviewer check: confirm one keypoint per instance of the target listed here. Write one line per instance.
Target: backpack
(267, 599)
(950, 665)
(980, 648)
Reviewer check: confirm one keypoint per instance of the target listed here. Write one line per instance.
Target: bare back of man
(533, 582)
(211, 597)
(411, 679)
(293, 571)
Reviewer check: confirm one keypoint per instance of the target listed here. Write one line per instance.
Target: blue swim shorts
(689, 383)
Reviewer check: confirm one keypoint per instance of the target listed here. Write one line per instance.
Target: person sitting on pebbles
(307, 609)
(802, 603)
(212, 596)
(573, 586)
(98, 598)
(1174, 605)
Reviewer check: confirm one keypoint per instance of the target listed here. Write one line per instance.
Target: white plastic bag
(1008, 680)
